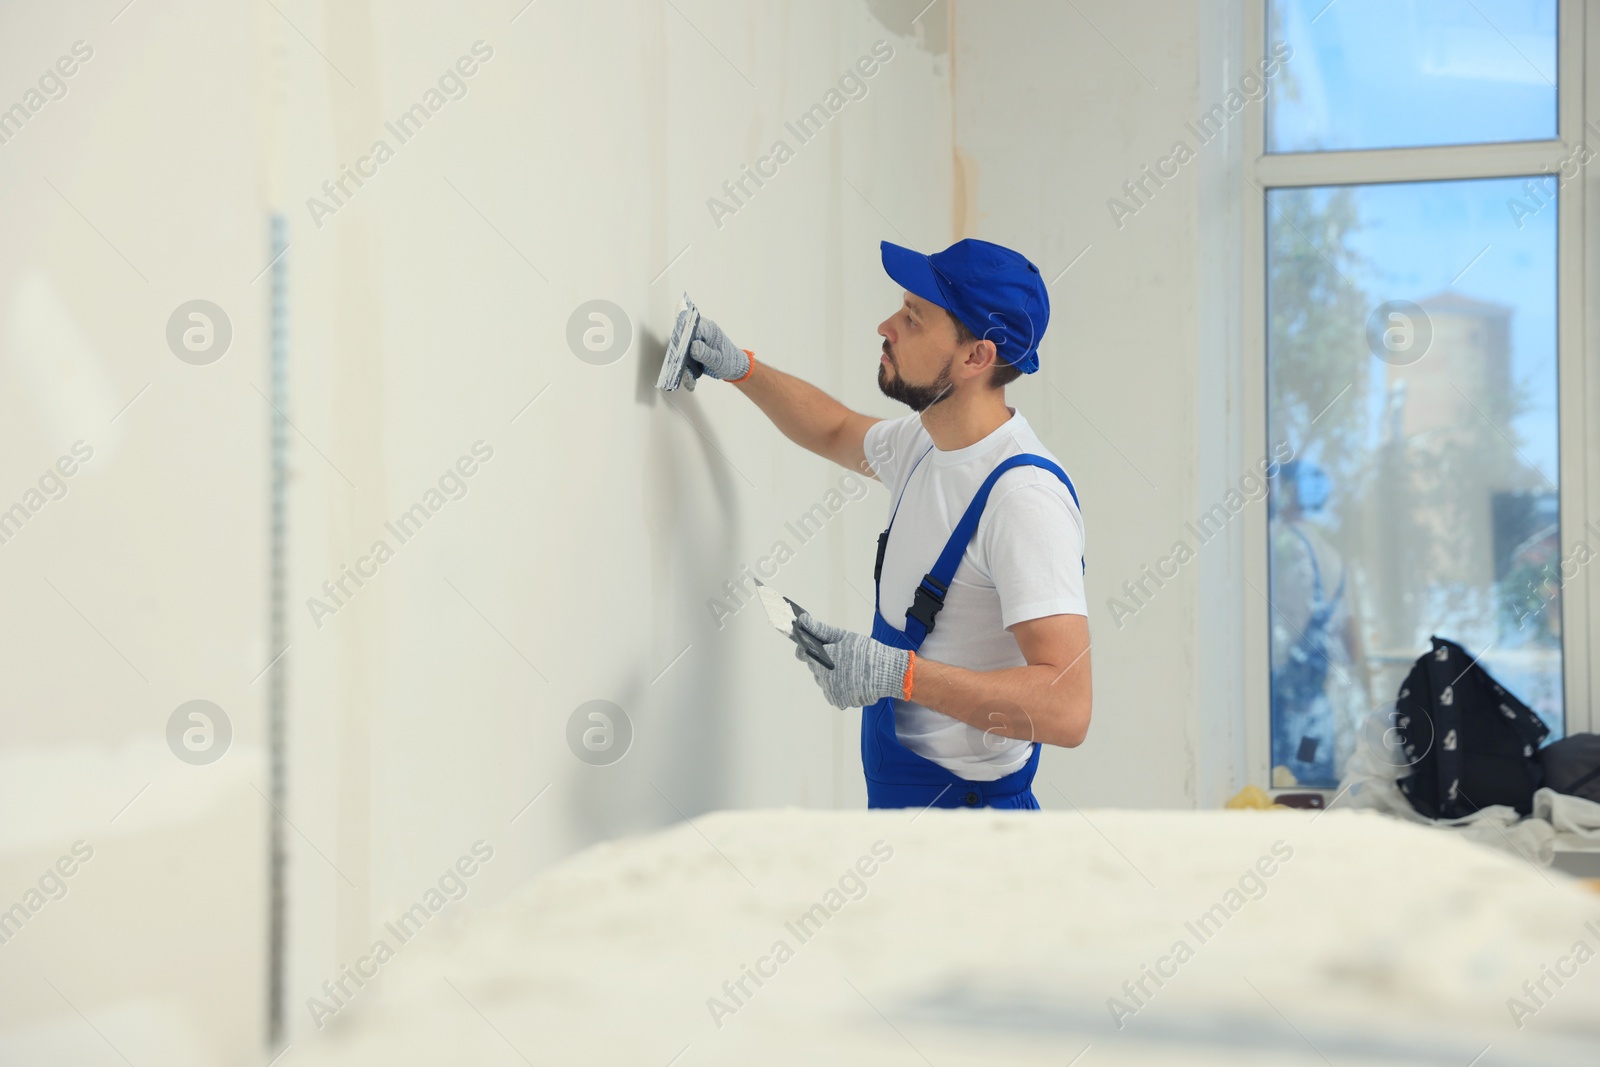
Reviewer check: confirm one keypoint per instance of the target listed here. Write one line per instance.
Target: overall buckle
(926, 602)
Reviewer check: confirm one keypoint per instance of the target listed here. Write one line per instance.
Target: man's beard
(915, 397)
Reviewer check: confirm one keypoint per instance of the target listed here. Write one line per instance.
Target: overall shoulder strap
(929, 597)
(1311, 554)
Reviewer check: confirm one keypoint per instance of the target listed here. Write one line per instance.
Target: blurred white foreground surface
(990, 937)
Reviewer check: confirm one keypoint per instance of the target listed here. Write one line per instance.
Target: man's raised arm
(803, 413)
(809, 417)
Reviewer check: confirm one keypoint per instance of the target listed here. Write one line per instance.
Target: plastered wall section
(579, 559)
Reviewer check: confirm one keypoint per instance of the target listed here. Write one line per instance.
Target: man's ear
(983, 356)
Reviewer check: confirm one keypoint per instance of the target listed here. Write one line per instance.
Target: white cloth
(1575, 817)
(1374, 770)
(1024, 562)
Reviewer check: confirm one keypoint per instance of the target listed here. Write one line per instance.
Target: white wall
(143, 587)
(430, 710)
(1057, 107)
(424, 315)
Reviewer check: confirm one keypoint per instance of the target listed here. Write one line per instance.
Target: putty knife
(783, 612)
(672, 375)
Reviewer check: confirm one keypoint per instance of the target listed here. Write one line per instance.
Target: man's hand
(710, 352)
(864, 671)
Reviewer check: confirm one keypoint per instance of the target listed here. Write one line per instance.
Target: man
(1314, 633)
(982, 561)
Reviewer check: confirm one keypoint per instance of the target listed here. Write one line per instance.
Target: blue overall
(896, 776)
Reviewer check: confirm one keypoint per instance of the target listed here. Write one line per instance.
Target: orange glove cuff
(749, 372)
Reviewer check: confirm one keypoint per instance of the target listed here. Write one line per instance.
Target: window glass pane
(1381, 74)
(1411, 390)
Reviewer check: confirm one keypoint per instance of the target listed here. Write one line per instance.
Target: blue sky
(1376, 74)
(1386, 74)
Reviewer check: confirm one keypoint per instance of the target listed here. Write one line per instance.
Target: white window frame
(1234, 728)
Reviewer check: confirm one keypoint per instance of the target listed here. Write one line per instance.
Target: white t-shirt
(1024, 562)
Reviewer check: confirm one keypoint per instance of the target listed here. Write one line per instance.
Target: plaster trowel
(672, 368)
(783, 612)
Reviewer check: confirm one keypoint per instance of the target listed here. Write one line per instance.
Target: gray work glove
(864, 670)
(710, 352)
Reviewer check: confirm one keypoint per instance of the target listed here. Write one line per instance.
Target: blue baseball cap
(995, 292)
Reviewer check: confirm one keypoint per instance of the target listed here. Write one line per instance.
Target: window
(1380, 74)
(1415, 205)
